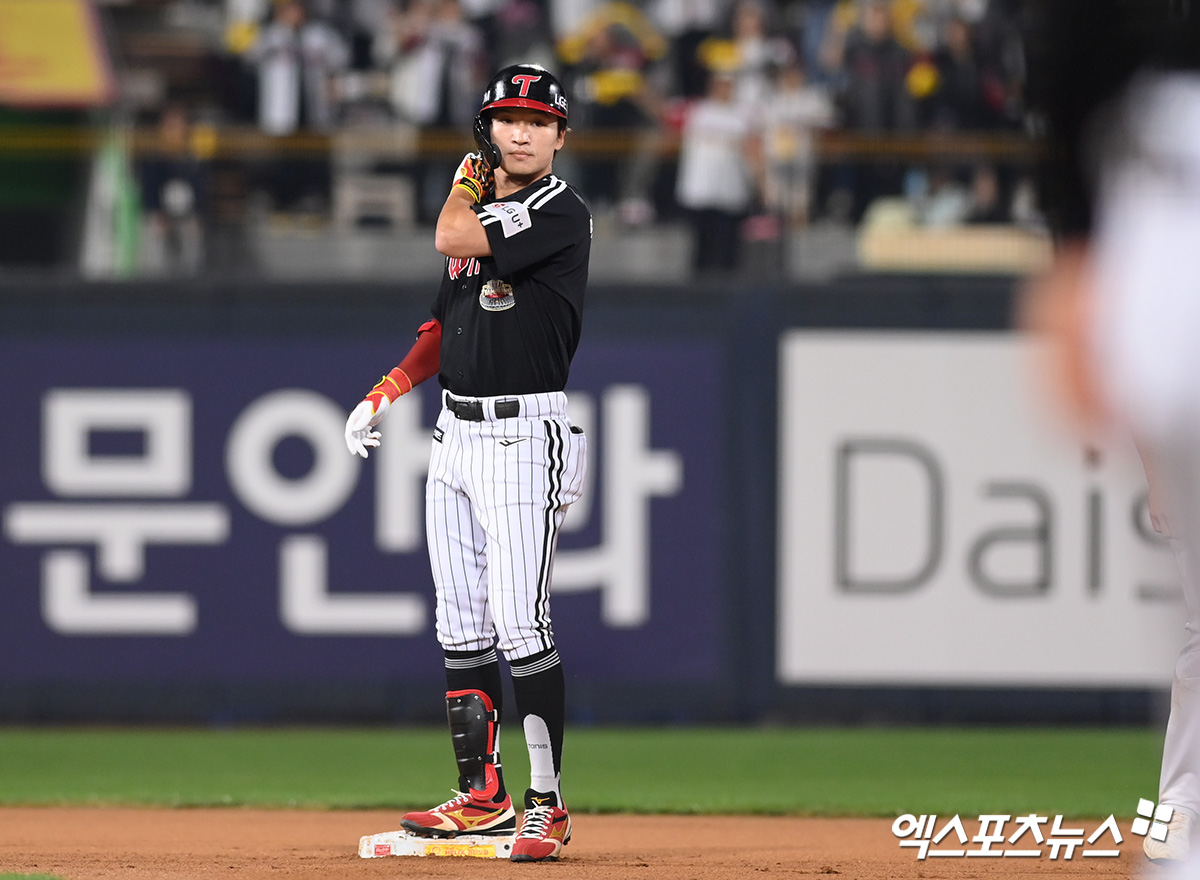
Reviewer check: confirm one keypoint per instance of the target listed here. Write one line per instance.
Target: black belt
(472, 410)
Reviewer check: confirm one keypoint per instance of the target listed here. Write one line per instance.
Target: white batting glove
(363, 418)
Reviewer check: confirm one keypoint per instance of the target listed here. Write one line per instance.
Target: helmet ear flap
(483, 139)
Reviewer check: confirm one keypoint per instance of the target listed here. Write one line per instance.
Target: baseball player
(1178, 785)
(506, 461)
(1119, 85)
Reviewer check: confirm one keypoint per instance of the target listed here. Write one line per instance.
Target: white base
(401, 843)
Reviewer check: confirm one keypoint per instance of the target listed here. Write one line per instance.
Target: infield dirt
(163, 844)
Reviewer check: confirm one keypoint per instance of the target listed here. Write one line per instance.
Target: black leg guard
(474, 730)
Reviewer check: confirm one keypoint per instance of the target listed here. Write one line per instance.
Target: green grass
(28, 877)
(817, 771)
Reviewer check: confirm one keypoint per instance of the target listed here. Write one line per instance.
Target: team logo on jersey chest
(458, 267)
(497, 296)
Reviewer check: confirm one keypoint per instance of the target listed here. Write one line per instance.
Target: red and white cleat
(465, 814)
(545, 829)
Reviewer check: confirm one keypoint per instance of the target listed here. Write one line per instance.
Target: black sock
(540, 689)
(476, 671)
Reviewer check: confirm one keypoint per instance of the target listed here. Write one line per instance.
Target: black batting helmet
(525, 85)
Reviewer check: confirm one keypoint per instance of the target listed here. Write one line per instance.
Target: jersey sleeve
(528, 230)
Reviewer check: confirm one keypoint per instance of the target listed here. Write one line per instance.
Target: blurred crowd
(744, 87)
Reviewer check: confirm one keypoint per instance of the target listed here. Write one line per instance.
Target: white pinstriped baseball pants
(496, 495)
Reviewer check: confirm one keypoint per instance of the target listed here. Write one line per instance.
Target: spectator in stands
(798, 110)
(872, 67)
(1000, 40)
(718, 164)
(987, 203)
(753, 51)
(359, 22)
(946, 199)
(617, 86)
(758, 54)
(686, 24)
(174, 184)
(295, 58)
(948, 195)
(915, 23)
(966, 95)
(242, 20)
(817, 19)
(438, 66)
(963, 88)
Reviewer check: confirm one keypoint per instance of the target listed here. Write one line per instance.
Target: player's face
(527, 140)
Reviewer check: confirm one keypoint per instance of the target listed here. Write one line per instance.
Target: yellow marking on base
(461, 850)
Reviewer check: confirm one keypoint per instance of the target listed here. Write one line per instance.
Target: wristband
(391, 386)
(472, 187)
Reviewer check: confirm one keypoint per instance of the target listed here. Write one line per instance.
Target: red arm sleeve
(422, 361)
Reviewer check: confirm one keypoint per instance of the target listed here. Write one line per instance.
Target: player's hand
(371, 411)
(476, 177)
(363, 418)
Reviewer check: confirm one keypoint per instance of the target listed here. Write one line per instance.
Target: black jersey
(511, 321)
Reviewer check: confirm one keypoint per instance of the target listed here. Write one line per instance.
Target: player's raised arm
(459, 232)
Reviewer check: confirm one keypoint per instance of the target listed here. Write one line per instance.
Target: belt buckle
(466, 410)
